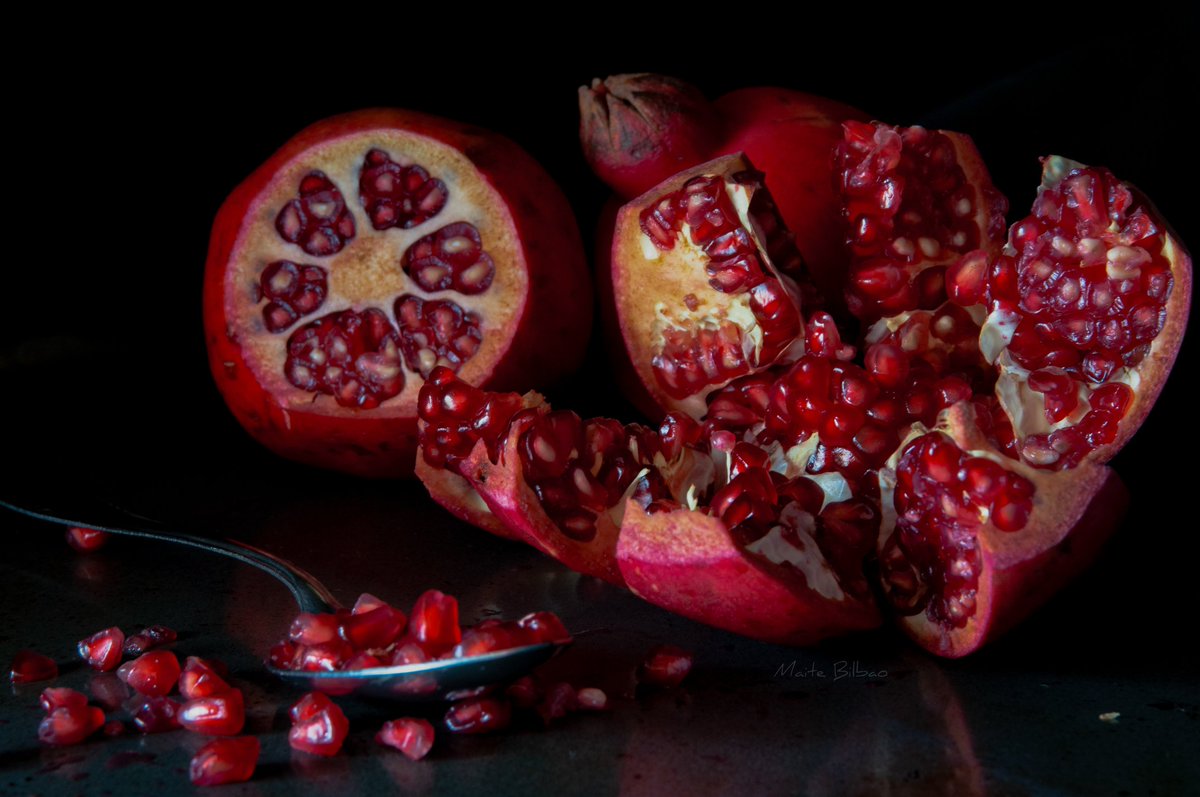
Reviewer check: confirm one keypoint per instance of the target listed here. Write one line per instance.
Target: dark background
(124, 154)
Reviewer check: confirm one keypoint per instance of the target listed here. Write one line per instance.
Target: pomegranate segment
(321, 329)
(29, 666)
(225, 761)
(914, 200)
(1087, 304)
(697, 283)
(102, 650)
(413, 737)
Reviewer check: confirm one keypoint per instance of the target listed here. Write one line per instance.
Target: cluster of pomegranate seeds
(436, 332)
(350, 355)
(225, 761)
(318, 725)
(450, 258)
(411, 736)
(374, 634)
(292, 291)
(102, 650)
(398, 196)
(458, 415)
(86, 540)
(579, 469)
(666, 666)
(29, 666)
(318, 221)
(712, 354)
(943, 496)
(912, 209)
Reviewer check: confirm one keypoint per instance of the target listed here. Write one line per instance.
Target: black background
(123, 151)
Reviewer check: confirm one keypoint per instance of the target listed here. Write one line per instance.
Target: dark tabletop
(105, 393)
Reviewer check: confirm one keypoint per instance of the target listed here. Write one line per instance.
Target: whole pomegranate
(370, 249)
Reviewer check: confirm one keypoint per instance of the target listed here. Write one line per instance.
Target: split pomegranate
(225, 761)
(638, 130)
(371, 248)
(413, 737)
(318, 725)
(29, 666)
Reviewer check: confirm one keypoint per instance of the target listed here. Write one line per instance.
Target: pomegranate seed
(318, 726)
(434, 622)
(413, 737)
(156, 715)
(108, 690)
(325, 657)
(478, 715)
(154, 673)
(60, 697)
(525, 692)
(367, 602)
(225, 761)
(489, 636)
(376, 628)
(285, 656)
(544, 627)
(560, 699)
(148, 638)
(29, 666)
(102, 650)
(591, 699)
(313, 629)
(665, 666)
(86, 540)
(70, 724)
(199, 679)
(408, 653)
(216, 715)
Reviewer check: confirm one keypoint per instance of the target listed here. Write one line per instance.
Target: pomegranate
(371, 248)
(225, 761)
(638, 130)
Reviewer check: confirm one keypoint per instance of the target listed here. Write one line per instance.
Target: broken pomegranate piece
(225, 761)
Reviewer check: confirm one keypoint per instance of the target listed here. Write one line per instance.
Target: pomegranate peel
(317, 323)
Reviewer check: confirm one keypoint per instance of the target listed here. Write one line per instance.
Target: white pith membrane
(367, 272)
(647, 273)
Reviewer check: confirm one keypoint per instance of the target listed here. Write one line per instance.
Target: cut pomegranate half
(370, 249)
(702, 271)
(915, 200)
(1087, 305)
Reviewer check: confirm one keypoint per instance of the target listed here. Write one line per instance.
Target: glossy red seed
(666, 666)
(478, 715)
(408, 653)
(313, 629)
(325, 657)
(86, 540)
(70, 724)
(102, 650)
(148, 638)
(154, 673)
(366, 602)
(544, 627)
(559, 700)
(200, 679)
(156, 715)
(225, 761)
(318, 726)
(217, 715)
(376, 628)
(284, 655)
(60, 697)
(413, 737)
(29, 666)
(489, 636)
(434, 622)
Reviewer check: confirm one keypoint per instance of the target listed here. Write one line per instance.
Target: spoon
(428, 681)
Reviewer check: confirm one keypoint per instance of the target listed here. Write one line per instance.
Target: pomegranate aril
(200, 679)
(313, 629)
(488, 637)
(591, 699)
(61, 697)
(398, 196)
(225, 761)
(436, 333)
(559, 700)
(478, 715)
(148, 638)
(544, 627)
(29, 666)
(216, 715)
(665, 666)
(377, 628)
(86, 540)
(323, 657)
(319, 726)
(156, 715)
(367, 602)
(70, 724)
(525, 692)
(434, 622)
(102, 650)
(318, 221)
(413, 737)
(349, 355)
(154, 673)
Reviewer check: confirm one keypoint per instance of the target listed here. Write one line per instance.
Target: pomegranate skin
(550, 332)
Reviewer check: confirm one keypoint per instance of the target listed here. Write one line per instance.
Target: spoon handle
(310, 594)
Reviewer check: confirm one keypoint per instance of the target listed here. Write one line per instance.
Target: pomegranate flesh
(370, 249)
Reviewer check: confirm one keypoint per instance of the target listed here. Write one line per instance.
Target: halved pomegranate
(370, 249)
(702, 282)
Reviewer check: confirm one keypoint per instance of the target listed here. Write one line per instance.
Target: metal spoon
(428, 681)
